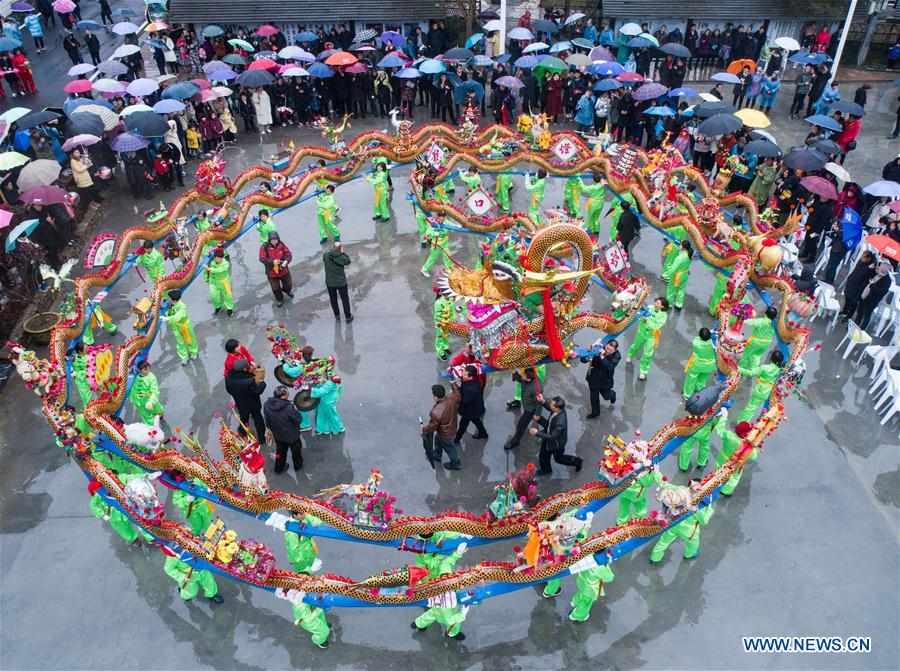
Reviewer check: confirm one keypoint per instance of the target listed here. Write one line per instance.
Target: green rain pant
(305, 420)
(88, 336)
(759, 395)
(326, 226)
(220, 295)
(311, 619)
(648, 341)
(614, 227)
(697, 377)
(148, 416)
(690, 535)
(184, 348)
(718, 292)
(594, 209)
(441, 341)
(503, 199)
(434, 255)
(572, 204)
(625, 503)
(200, 579)
(84, 389)
(686, 451)
(753, 352)
(583, 599)
(675, 294)
(381, 203)
(552, 587)
(451, 618)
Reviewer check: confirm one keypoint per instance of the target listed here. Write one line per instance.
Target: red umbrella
(340, 58)
(263, 64)
(894, 206)
(885, 246)
(44, 195)
(78, 86)
(629, 77)
(355, 69)
(202, 83)
(820, 186)
(267, 30)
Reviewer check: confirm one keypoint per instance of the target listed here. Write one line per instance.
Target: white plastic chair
(892, 409)
(888, 377)
(854, 337)
(827, 301)
(823, 257)
(880, 355)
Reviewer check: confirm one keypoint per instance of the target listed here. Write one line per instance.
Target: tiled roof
(300, 11)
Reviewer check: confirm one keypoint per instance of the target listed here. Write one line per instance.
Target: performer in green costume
(647, 335)
(554, 586)
(679, 272)
(97, 319)
(766, 376)
(438, 239)
(145, 394)
(443, 313)
(152, 260)
(450, 617)
(596, 193)
(718, 292)
(572, 196)
(218, 275)
(378, 180)
(760, 339)
(688, 530)
(265, 224)
(471, 178)
(589, 587)
(79, 373)
(701, 364)
(197, 511)
(536, 187)
(731, 440)
(302, 551)
(117, 520)
(190, 580)
(312, 619)
(328, 420)
(671, 250)
(326, 211)
(182, 328)
(502, 189)
(636, 496)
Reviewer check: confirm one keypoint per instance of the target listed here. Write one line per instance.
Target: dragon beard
(490, 335)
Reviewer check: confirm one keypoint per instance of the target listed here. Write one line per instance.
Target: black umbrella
(707, 109)
(720, 124)
(804, 158)
(489, 15)
(146, 124)
(427, 444)
(848, 107)
(452, 77)
(85, 123)
(829, 147)
(36, 119)
(458, 54)
(763, 148)
(255, 78)
(678, 50)
(542, 26)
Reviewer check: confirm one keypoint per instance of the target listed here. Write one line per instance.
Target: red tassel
(556, 349)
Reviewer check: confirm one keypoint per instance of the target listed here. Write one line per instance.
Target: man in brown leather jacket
(442, 422)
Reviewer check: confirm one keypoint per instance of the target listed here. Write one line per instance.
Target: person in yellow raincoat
(217, 273)
(378, 180)
(680, 271)
(326, 211)
(536, 186)
(182, 328)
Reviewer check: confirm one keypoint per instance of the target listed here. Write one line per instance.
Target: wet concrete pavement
(808, 545)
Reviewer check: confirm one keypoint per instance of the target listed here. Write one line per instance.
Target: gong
(283, 377)
(304, 402)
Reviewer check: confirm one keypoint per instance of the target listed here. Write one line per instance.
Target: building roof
(250, 12)
(736, 11)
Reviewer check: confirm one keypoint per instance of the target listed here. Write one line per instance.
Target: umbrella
(838, 171)
(805, 58)
(480, 61)
(828, 147)
(359, 68)
(222, 75)
(72, 104)
(156, 44)
(21, 7)
(578, 60)
(13, 159)
(753, 118)
(267, 30)
(883, 244)
(361, 36)
(255, 78)
(85, 24)
(24, 228)
(63, 6)
(602, 54)
(181, 91)
(82, 140)
(80, 69)
(638, 43)
(630, 29)
(320, 71)
(606, 85)
(535, 46)
(660, 111)
(726, 78)
(112, 68)
(708, 109)
(108, 118)
(474, 39)
(308, 36)
(526, 62)
(573, 18)
(78, 86)
(675, 49)
(392, 60)
(263, 64)
(295, 71)
(763, 149)
(205, 96)
(234, 59)
(883, 189)
(461, 92)
(492, 26)
(551, 63)
(340, 58)
(142, 87)
(131, 109)
(126, 50)
(156, 26)
(36, 119)
(720, 124)
(848, 107)
(458, 54)
(892, 206)
(758, 134)
(823, 121)
(649, 91)
(44, 195)
(510, 82)
(520, 34)
(223, 91)
(735, 67)
(431, 66)
(682, 91)
(583, 43)
(168, 106)
(543, 26)
(303, 56)
(242, 44)
(291, 52)
(820, 187)
(505, 58)
(5, 218)
(85, 124)
(629, 77)
(128, 142)
(408, 73)
(428, 446)
(787, 43)
(212, 31)
(38, 173)
(560, 46)
(610, 69)
(804, 158)
(124, 11)
(126, 28)
(393, 37)
(109, 86)
(147, 124)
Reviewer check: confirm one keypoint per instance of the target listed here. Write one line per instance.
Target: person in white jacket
(263, 109)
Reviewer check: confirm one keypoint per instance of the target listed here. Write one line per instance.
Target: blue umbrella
(222, 75)
(504, 58)
(24, 228)
(320, 70)
(72, 104)
(726, 78)
(392, 60)
(461, 92)
(682, 91)
(9, 44)
(823, 121)
(168, 106)
(181, 91)
(660, 111)
(212, 31)
(809, 59)
(638, 42)
(606, 85)
(156, 44)
(474, 39)
(480, 61)
(431, 66)
(560, 46)
(234, 59)
(610, 69)
(265, 54)
(89, 25)
(124, 11)
(128, 141)
(393, 37)
(452, 77)
(526, 62)
(408, 73)
(306, 36)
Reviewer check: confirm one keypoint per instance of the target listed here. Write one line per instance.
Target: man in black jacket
(245, 391)
(554, 433)
(471, 405)
(628, 226)
(335, 261)
(284, 421)
(93, 46)
(529, 404)
(600, 374)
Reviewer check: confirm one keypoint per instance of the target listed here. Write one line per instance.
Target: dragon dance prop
(524, 308)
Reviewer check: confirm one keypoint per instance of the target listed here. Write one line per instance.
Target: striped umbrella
(112, 68)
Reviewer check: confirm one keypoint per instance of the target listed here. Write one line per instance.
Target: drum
(283, 377)
(304, 402)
